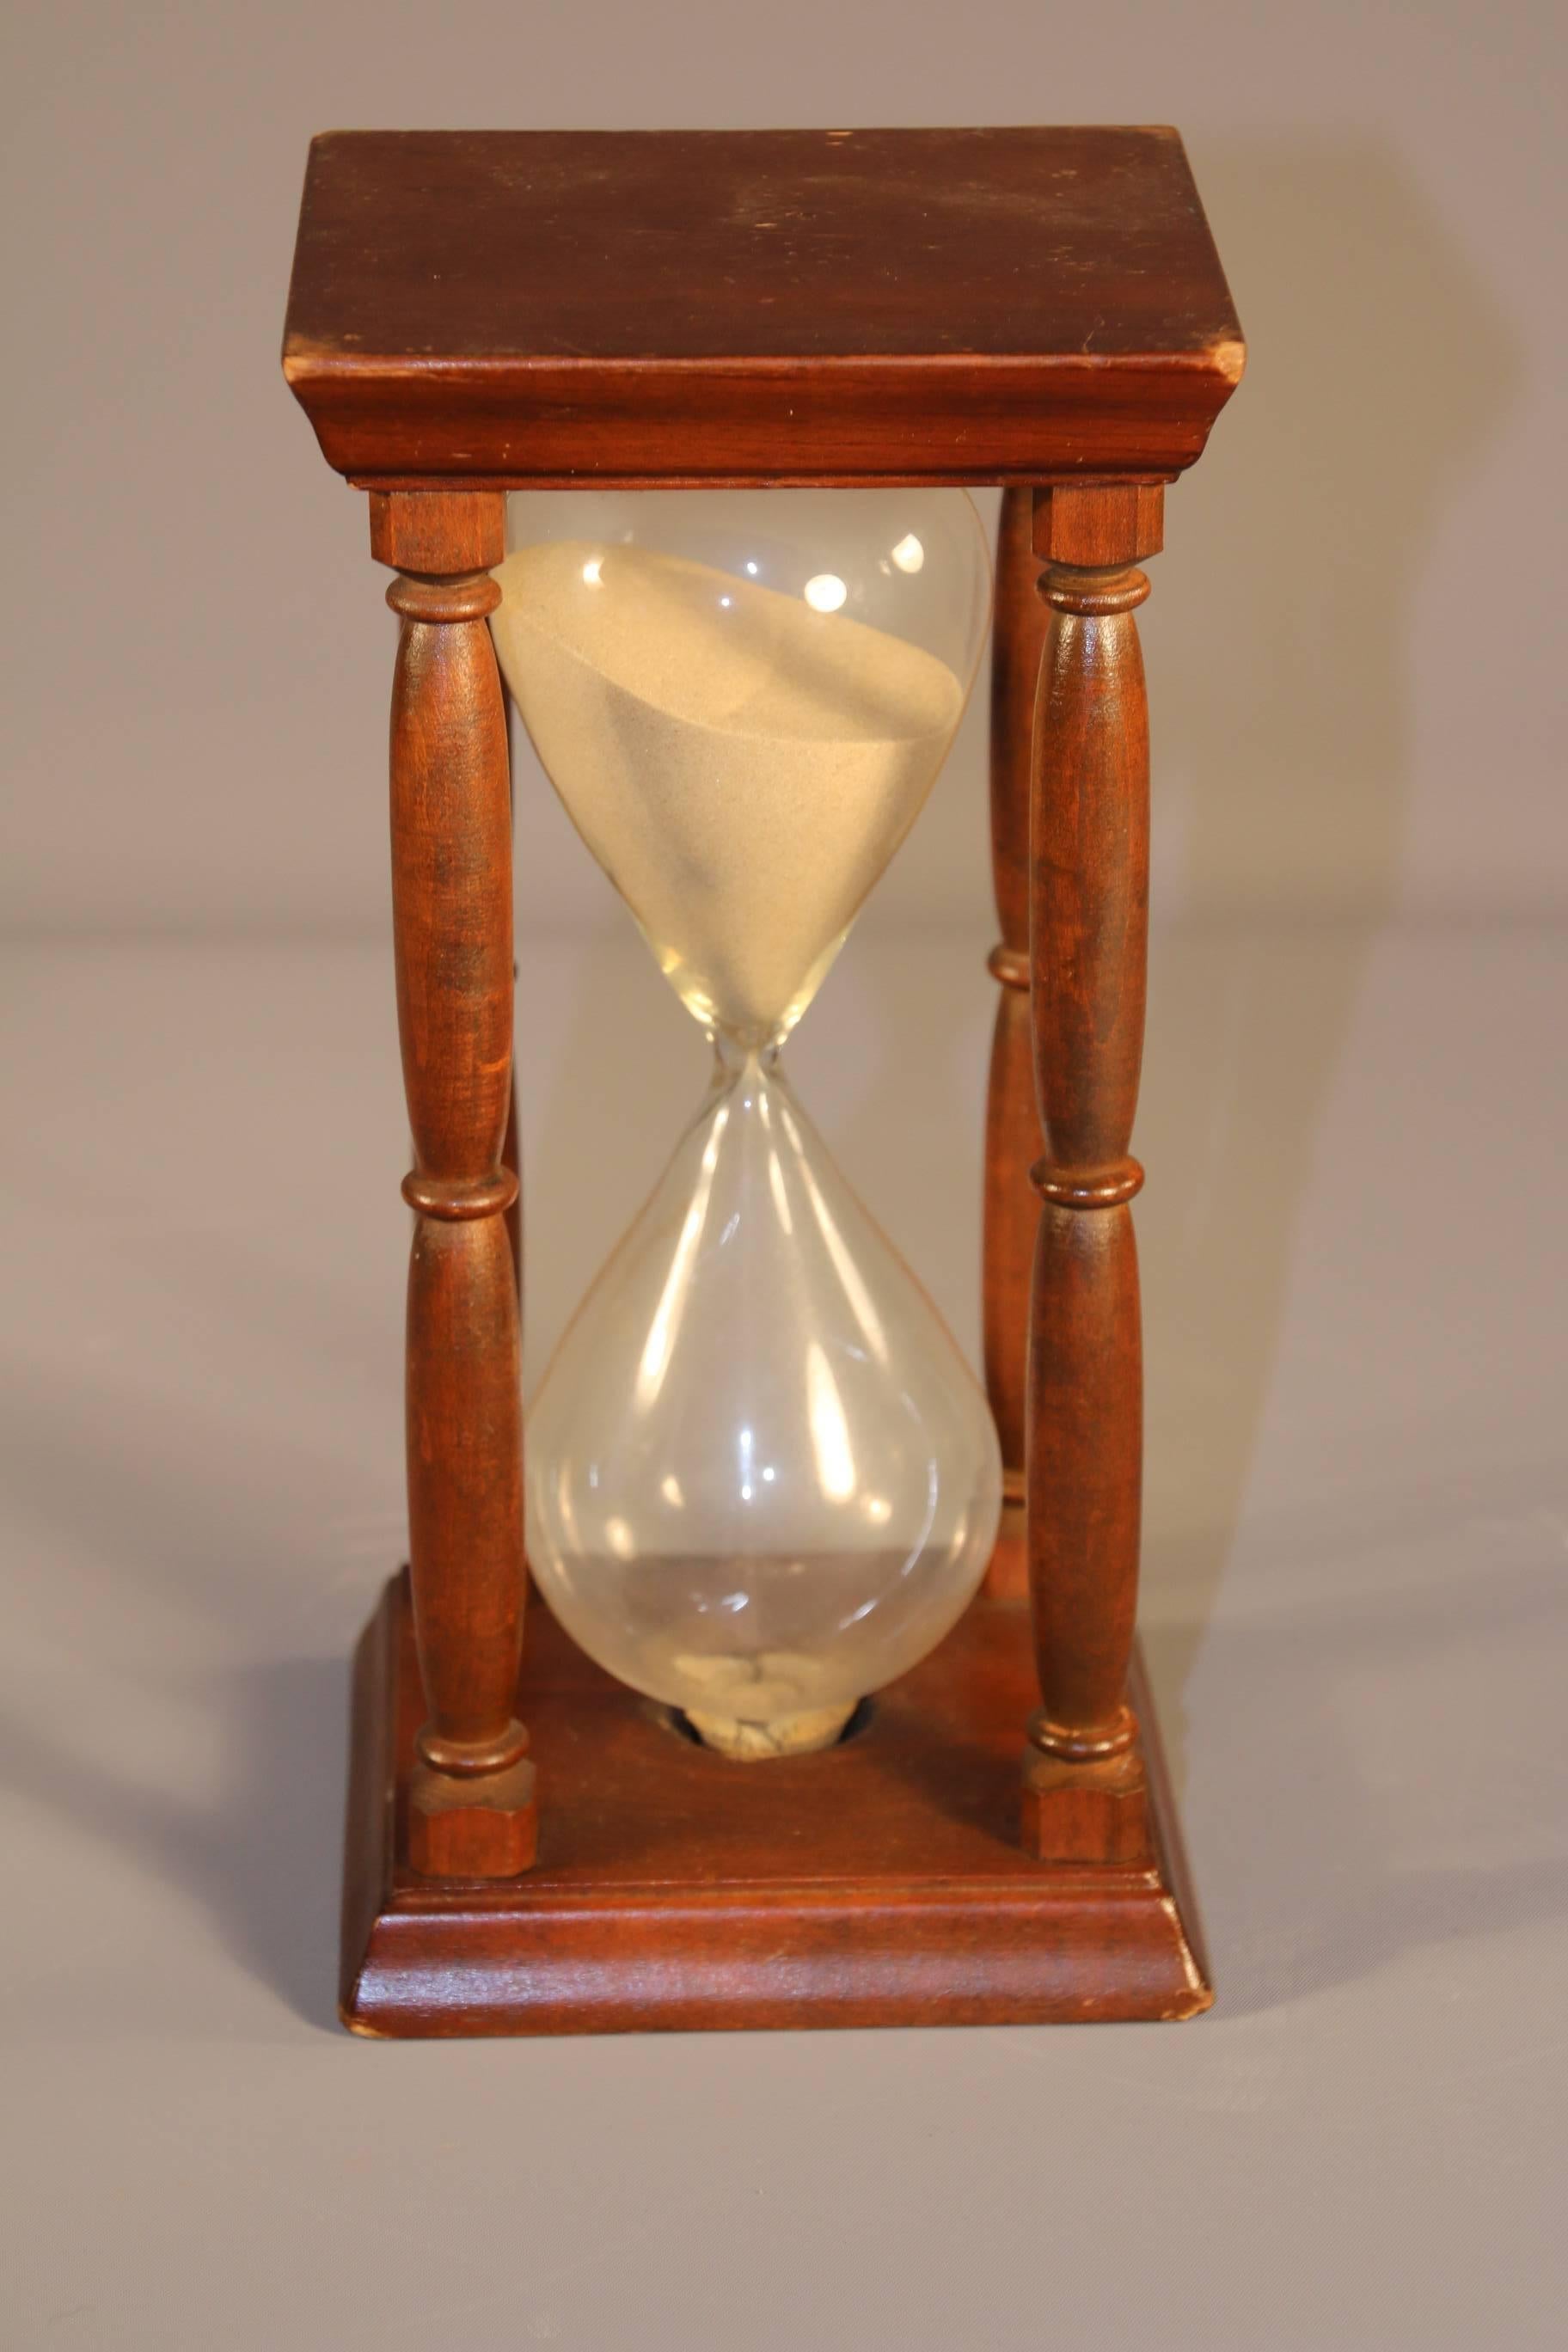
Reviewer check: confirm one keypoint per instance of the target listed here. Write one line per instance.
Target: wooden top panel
(953, 305)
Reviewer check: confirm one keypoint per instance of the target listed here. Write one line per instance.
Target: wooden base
(879, 1882)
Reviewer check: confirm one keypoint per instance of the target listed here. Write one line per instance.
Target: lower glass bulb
(763, 1480)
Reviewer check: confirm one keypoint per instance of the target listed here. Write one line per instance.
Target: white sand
(742, 771)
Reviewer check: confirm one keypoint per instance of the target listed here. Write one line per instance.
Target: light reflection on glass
(667, 1315)
(829, 1430)
(843, 1265)
(780, 1197)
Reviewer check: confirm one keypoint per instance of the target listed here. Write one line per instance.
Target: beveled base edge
(772, 1948)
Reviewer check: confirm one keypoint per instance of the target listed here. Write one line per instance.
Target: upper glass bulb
(744, 700)
(762, 1480)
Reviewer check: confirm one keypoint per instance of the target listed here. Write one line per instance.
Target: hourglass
(762, 1480)
(827, 1709)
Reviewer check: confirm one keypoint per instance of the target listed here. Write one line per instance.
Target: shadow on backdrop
(1379, 366)
(180, 1512)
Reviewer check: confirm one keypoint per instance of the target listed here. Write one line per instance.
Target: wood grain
(880, 1883)
(1088, 927)
(1012, 1118)
(953, 305)
(470, 1804)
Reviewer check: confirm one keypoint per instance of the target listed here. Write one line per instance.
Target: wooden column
(1084, 1792)
(1012, 1119)
(470, 1808)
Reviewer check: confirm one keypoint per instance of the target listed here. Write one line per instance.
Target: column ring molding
(1087, 1188)
(456, 1199)
(1084, 1747)
(467, 597)
(1094, 594)
(1011, 966)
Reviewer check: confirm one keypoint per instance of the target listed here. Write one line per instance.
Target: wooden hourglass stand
(1039, 309)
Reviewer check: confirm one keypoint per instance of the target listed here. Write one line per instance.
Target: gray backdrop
(1357, 1517)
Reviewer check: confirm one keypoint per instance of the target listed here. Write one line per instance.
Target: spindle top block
(759, 306)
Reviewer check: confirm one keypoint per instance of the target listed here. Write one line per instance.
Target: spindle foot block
(472, 1829)
(1086, 1812)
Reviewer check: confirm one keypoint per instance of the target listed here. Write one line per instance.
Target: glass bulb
(762, 1480)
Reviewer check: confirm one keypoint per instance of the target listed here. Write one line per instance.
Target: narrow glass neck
(737, 1037)
(732, 1056)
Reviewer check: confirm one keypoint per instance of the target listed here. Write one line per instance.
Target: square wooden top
(762, 306)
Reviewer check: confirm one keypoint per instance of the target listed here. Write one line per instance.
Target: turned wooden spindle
(1012, 1118)
(470, 1809)
(1085, 1795)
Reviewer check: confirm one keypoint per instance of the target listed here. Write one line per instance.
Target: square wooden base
(880, 1883)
